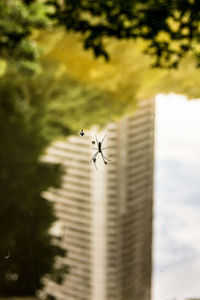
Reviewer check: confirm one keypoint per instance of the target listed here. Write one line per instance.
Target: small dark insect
(99, 150)
(82, 133)
(93, 142)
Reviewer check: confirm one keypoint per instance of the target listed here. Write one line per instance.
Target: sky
(176, 258)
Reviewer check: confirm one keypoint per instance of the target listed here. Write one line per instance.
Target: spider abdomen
(99, 147)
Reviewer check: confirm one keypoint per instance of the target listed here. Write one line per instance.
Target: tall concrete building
(105, 214)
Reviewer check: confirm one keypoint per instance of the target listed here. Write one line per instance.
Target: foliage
(169, 27)
(127, 77)
(27, 250)
(17, 22)
(65, 105)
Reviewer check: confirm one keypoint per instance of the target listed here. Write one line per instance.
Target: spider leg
(94, 159)
(94, 156)
(95, 165)
(105, 162)
(105, 157)
(94, 148)
(103, 138)
(96, 139)
(106, 148)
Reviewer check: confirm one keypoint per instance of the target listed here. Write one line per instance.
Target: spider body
(99, 147)
(99, 150)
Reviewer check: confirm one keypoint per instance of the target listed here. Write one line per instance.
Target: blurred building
(105, 215)
(192, 299)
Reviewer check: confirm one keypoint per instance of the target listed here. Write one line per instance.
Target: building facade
(105, 214)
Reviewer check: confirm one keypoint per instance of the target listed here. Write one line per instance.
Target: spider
(99, 150)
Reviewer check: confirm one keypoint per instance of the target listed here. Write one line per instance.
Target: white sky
(177, 199)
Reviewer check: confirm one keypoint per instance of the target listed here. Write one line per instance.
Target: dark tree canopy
(170, 27)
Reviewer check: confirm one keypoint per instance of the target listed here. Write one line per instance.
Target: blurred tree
(170, 27)
(27, 249)
(127, 76)
(66, 105)
(17, 22)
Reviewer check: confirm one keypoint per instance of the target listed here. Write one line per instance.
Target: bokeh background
(52, 85)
